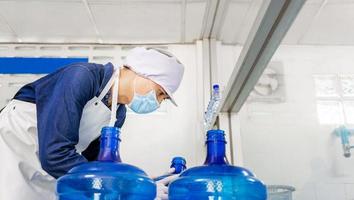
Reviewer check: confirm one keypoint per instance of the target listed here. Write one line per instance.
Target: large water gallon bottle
(107, 178)
(179, 163)
(217, 179)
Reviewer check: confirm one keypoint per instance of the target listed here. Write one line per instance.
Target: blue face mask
(144, 103)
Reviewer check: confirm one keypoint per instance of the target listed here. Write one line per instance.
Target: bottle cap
(179, 163)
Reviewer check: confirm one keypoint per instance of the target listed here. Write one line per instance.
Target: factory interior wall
(148, 141)
(283, 140)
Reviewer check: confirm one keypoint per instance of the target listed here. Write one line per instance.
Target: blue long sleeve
(58, 120)
(60, 98)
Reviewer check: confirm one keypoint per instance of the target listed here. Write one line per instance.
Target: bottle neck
(216, 153)
(109, 147)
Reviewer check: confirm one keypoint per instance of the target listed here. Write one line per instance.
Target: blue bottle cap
(216, 136)
(216, 86)
(179, 160)
(179, 163)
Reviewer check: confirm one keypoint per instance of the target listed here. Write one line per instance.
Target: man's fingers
(171, 170)
(161, 188)
(164, 197)
(168, 179)
(162, 191)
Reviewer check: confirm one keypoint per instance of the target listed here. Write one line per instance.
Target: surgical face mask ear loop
(114, 100)
(134, 85)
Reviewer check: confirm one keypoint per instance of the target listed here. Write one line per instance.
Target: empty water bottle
(108, 178)
(178, 163)
(212, 106)
(217, 179)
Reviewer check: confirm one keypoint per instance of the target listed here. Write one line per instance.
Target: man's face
(144, 85)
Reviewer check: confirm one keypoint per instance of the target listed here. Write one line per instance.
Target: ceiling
(164, 21)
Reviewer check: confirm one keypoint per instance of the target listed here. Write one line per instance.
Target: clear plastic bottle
(108, 178)
(216, 101)
(179, 163)
(212, 106)
(217, 179)
(207, 114)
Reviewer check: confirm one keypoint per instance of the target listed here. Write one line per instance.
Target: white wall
(283, 143)
(226, 58)
(148, 141)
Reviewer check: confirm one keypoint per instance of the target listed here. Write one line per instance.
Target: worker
(53, 124)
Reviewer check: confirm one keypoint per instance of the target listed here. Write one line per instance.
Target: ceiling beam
(270, 27)
(219, 18)
(209, 18)
(214, 16)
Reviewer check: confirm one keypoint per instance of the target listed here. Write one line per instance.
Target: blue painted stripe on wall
(19, 65)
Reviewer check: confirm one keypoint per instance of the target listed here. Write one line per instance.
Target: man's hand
(162, 185)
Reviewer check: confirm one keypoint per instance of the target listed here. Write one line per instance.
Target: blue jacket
(60, 98)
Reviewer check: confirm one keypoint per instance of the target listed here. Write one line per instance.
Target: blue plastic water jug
(179, 163)
(107, 178)
(217, 179)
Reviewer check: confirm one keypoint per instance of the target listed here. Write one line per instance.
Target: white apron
(21, 174)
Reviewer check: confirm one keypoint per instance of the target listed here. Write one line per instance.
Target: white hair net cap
(157, 65)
